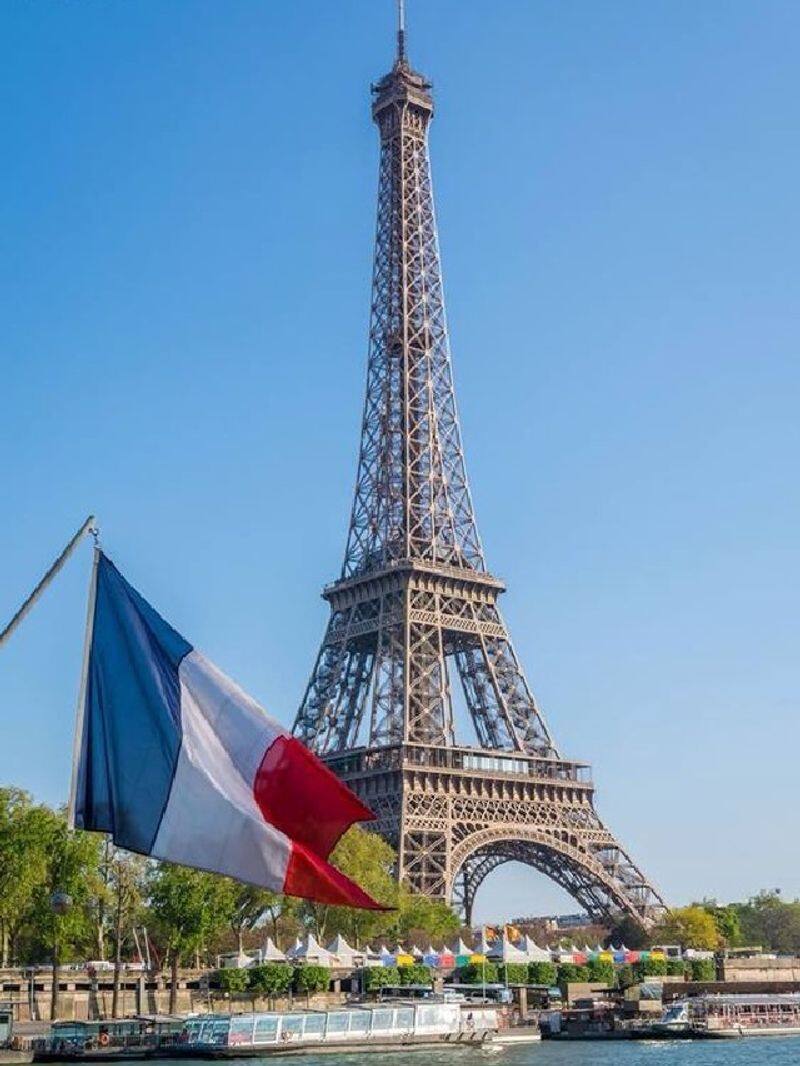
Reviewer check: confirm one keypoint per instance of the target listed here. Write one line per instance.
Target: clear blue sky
(187, 211)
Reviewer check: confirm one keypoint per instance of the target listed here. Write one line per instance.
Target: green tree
(676, 968)
(601, 971)
(188, 906)
(542, 973)
(271, 979)
(25, 833)
(233, 980)
(769, 921)
(381, 977)
(418, 974)
(368, 860)
(479, 973)
(60, 906)
(625, 976)
(569, 973)
(250, 907)
(703, 970)
(513, 973)
(692, 927)
(418, 915)
(650, 968)
(126, 881)
(727, 921)
(311, 979)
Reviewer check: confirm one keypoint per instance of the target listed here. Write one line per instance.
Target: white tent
(372, 957)
(312, 952)
(431, 956)
(271, 953)
(532, 951)
(460, 948)
(343, 954)
(291, 952)
(416, 952)
(502, 950)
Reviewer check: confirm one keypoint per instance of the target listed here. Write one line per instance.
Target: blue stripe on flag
(132, 719)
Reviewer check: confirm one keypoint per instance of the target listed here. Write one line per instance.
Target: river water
(753, 1051)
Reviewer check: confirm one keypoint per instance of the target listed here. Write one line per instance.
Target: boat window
(404, 1019)
(359, 1021)
(441, 1015)
(241, 1029)
(292, 1024)
(315, 1026)
(266, 1029)
(337, 1022)
(381, 1020)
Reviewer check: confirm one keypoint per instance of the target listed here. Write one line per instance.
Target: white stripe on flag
(211, 819)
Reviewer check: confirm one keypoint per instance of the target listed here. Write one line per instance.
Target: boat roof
(744, 999)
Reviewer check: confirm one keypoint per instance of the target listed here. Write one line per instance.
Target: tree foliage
(479, 973)
(418, 974)
(569, 973)
(703, 970)
(233, 980)
(770, 922)
(311, 979)
(542, 973)
(271, 979)
(691, 927)
(513, 973)
(600, 971)
(381, 977)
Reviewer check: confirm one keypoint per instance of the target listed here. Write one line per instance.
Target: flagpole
(77, 742)
(87, 526)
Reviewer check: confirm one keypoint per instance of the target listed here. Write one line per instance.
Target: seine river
(764, 1051)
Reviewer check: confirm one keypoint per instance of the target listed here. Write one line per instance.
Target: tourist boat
(109, 1041)
(362, 1028)
(730, 1016)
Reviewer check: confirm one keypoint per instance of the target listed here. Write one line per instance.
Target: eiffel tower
(415, 605)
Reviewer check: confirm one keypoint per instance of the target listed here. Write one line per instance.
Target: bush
(381, 976)
(270, 979)
(625, 976)
(513, 973)
(676, 968)
(568, 973)
(650, 968)
(703, 970)
(479, 973)
(542, 973)
(310, 979)
(414, 975)
(601, 971)
(232, 981)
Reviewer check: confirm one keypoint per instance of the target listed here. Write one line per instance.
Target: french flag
(175, 761)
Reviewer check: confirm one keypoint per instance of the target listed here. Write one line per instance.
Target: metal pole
(48, 577)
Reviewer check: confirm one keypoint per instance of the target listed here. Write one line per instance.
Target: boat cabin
(383, 1023)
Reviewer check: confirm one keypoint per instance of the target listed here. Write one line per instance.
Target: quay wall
(82, 998)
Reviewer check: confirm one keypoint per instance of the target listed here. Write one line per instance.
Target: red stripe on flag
(299, 795)
(310, 877)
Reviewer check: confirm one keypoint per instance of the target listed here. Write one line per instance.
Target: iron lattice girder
(454, 813)
(415, 605)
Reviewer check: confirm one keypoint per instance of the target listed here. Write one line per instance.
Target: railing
(476, 760)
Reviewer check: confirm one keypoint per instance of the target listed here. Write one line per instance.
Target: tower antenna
(401, 29)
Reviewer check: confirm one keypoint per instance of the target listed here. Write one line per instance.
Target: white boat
(366, 1027)
(732, 1015)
